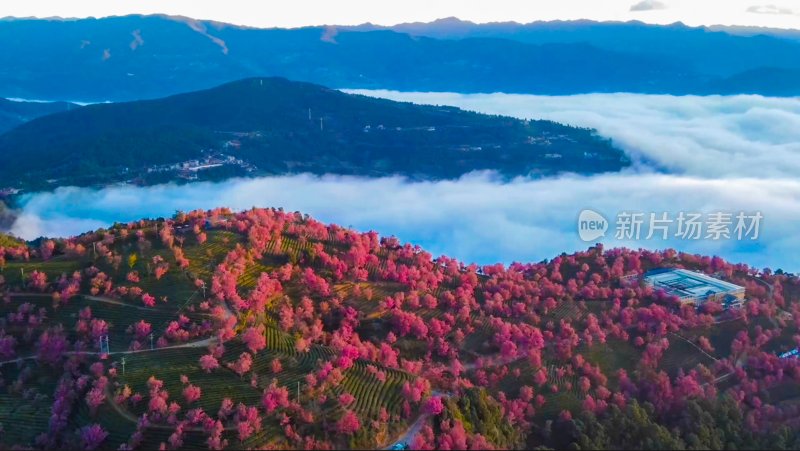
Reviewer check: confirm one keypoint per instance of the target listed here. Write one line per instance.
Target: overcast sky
(267, 13)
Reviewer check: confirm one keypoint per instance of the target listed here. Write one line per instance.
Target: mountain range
(137, 57)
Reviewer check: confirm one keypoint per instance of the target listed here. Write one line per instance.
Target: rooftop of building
(684, 283)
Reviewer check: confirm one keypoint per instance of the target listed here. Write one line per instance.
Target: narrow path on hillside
(695, 346)
(125, 413)
(190, 344)
(106, 300)
(413, 430)
(103, 299)
(408, 436)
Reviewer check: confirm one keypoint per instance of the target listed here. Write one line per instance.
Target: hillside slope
(269, 329)
(274, 126)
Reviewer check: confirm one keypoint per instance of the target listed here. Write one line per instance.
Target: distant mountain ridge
(138, 57)
(717, 51)
(14, 113)
(276, 126)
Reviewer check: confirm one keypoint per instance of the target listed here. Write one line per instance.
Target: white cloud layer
(475, 218)
(771, 9)
(648, 5)
(726, 154)
(711, 136)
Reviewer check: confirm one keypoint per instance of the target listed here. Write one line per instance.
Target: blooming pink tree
(47, 248)
(215, 430)
(242, 364)
(148, 300)
(142, 329)
(7, 345)
(255, 338)
(275, 397)
(95, 398)
(192, 393)
(346, 399)
(38, 281)
(453, 435)
(248, 421)
(348, 424)
(414, 391)
(92, 436)
(705, 344)
(209, 363)
(51, 346)
(425, 439)
(434, 405)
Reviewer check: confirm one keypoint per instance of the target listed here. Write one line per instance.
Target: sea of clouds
(720, 154)
(702, 136)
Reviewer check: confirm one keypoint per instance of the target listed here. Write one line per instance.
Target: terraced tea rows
(371, 394)
(21, 420)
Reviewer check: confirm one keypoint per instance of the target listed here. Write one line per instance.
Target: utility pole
(324, 424)
(104, 348)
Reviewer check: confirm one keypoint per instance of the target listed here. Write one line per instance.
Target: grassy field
(215, 386)
(683, 355)
(14, 271)
(611, 356)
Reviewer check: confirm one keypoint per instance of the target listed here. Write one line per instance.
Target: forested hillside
(276, 126)
(269, 329)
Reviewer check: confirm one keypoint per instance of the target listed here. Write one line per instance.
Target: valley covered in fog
(706, 155)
